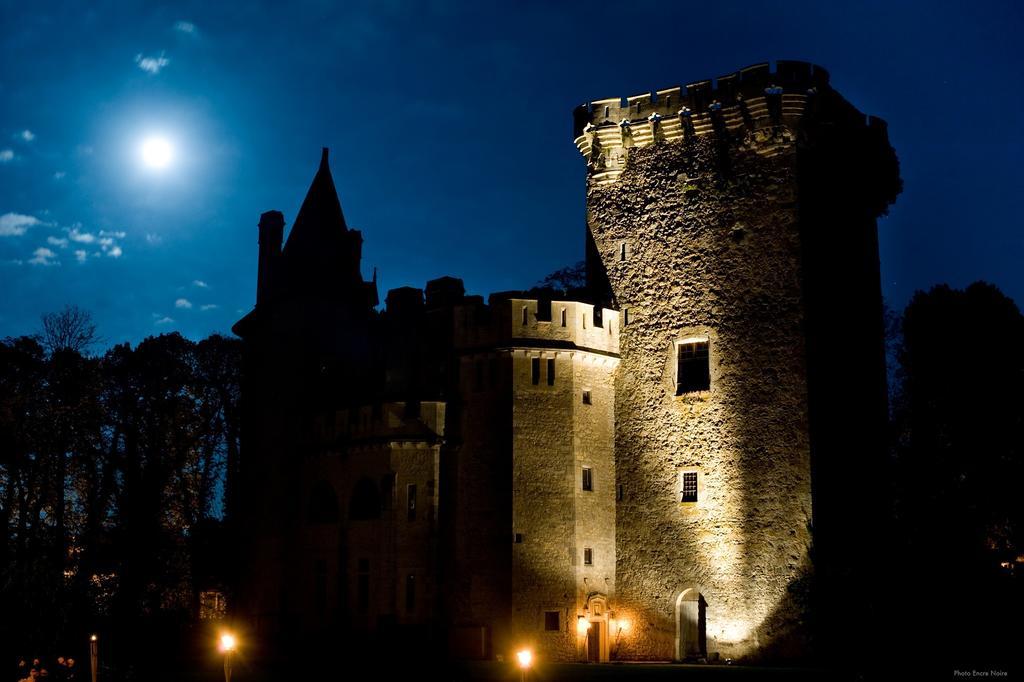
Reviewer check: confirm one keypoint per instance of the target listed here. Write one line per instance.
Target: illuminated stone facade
(539, 472)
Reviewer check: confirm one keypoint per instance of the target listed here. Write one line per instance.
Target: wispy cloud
(81, 255)
(14, 224)
(62, 242)
(152, 65)
(43, 256)
(81, 237)
(27, 135)
(209, 306)
(185, 27)
(164, 320)
(183, 303)
(153, 239)
(6, 155)
(109, 233)
(59, 175)
(200, 283)
(115, 252)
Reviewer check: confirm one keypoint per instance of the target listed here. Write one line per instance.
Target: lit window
(552, 621)
(588, 479)
(693, 373)
(688, 485)
(588, 556)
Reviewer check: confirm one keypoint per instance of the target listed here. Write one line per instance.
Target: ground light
(94, 656)
(525, 659)
(227, 646)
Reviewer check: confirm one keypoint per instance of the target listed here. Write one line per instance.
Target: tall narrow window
(588, 556)
(625, 316)
(526, 314)
(693, 373)
(563, 317)
(688, 484)
(586, 398)
(535, 370)
(622, 252)
(410, 593)
(551, 371)
(588, 479)
(410, 496)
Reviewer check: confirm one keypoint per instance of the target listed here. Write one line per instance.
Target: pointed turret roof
(320, 223)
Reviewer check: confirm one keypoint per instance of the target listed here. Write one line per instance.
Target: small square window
(586, 398)
(689, 487)
(588, 479)
(588, 556)
(552, 621)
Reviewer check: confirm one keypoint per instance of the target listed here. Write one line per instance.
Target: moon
(157, 152)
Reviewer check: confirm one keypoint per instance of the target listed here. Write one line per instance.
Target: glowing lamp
(623, 625)
(227, 642)
(92, 638)
(525, 658)
(582, 625)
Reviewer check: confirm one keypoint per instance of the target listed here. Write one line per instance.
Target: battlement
(511, 321)
(753, 97)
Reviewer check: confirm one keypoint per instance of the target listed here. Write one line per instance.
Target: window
(551, 371)
(625, 316)
(552, 621)
(535, 370)
(618, 493)
(588, 479)
(688, 485)
(693, 372)
(586, 398)
(588, 556)
(519, 538)
(563, 317)
(526, 313)
(410, 494)
(410, 593)
(622, 252)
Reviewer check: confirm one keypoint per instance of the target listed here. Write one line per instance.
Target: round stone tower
(732, 224)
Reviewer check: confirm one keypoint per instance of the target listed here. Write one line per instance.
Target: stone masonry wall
(712, 250)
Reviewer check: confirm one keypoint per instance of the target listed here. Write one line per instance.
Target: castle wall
(712, 253)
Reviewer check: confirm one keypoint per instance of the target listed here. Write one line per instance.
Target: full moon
(156, 152)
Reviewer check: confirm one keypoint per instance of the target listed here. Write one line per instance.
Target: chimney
(271, 235)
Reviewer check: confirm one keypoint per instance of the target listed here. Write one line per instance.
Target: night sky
(450, 128)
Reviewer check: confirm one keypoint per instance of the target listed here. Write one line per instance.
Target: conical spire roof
(320, 223)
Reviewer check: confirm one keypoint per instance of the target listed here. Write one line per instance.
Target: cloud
(6, 155)
(153, 239)
(183, 303)
(43, 256)
(14, 224)
(185, 27)
(115, 252)
(27, 135)
(118, 235)
(200, 283)
(59, 175)
(62, 242)
(81, 237)
(152, 65)
(165, 320)
(105, 242)
(209, 306)
(81, 255)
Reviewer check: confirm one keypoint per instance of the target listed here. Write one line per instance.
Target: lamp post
(525, 660)
(227, 645)
(94, 656)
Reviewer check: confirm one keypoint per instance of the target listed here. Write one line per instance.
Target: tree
(569, 279)
(70, 329)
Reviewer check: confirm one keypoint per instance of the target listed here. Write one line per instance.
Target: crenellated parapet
(755, 97)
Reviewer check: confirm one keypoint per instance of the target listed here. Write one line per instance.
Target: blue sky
(450, 131)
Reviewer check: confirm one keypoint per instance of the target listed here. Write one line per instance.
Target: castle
(657, 467)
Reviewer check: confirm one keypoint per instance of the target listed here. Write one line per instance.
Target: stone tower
(733, 225)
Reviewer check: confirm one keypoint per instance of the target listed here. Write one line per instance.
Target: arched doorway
(691, 625)
(597, 649)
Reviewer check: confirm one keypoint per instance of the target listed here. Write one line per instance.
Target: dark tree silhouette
(70, 329)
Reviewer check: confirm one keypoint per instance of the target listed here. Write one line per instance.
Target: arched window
(365, 503)
(323, 504)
